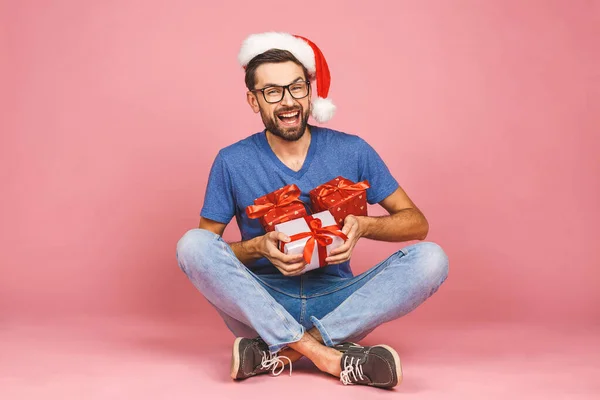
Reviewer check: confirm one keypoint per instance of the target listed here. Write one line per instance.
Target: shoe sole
(399, 375)
(235, 358)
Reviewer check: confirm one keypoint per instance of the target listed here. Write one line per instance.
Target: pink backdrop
(486, 112)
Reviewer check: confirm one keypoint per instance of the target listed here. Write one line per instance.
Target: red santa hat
(306, 52)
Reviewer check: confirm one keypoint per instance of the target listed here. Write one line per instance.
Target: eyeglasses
(274, 94)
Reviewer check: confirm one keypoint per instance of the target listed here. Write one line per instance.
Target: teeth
(289, 114)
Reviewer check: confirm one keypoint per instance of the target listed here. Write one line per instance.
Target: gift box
(279, 206)
(341, 197)
(314, 236)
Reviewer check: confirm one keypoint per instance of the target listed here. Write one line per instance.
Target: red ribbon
(276, 199)
(344, 187)
(318, 234)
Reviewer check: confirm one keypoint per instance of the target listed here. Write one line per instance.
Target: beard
(275, 126)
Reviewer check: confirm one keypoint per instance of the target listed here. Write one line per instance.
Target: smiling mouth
(290, 118)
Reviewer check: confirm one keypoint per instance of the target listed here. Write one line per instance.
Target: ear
(252, 101)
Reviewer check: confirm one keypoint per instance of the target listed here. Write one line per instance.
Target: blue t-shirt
(248, 169)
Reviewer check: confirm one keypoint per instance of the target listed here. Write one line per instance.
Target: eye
(272, 92)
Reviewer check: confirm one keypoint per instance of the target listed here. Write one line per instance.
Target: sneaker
(252, 357)
(373, 366)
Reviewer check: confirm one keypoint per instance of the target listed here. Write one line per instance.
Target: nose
(287, 100)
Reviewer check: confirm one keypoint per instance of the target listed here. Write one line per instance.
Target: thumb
(347, 226)
(281, 236)
(349, 222)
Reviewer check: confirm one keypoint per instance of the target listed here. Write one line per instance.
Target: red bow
(320, 235)
(276, 200)
(343, 186)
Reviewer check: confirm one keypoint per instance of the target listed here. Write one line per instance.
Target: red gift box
(279, 206)
(341, 197)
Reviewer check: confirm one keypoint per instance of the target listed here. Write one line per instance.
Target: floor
(128, 358)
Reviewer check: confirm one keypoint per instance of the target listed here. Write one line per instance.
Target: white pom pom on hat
(307, 53)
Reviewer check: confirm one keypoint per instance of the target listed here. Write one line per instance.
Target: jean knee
(433, 261)
(195, 244)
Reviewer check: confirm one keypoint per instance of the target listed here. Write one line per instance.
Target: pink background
(112, 112)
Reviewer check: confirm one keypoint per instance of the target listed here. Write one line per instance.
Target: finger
(296, 266)
(337, 260)
(347, 227)
(338, 257)
(299, 269)
(292, 258)
(291, 267)
(283, 269)
(279, 255)
(293, 273)
(278, 236)
(276, 254)
(351, 231)
(343, 248)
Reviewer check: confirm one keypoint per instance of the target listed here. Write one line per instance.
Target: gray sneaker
(373, 366)
(252, 357)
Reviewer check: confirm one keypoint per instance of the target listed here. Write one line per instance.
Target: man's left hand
(351, 229)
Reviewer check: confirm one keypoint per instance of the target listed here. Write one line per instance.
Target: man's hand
(288, 265)
(343, 253)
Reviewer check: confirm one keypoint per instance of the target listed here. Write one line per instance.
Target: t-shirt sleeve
(219, 203)
(373, 168)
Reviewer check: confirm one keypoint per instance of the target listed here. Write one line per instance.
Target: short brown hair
(269, 56)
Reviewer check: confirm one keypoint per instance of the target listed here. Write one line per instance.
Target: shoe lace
(350, 371)
(273, 361)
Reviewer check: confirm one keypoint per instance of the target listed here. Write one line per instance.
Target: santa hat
(306, 52)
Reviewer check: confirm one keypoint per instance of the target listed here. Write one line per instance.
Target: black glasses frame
(286, 87)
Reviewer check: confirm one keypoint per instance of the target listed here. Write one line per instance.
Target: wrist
(364, 224)
(255, 247)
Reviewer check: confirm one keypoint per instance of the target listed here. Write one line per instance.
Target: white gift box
(300, 225)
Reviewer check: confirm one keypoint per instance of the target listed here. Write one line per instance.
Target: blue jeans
(279, 309)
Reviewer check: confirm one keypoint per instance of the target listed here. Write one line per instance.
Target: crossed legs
(385, 292)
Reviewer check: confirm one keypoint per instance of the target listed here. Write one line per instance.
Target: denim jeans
(279, 308)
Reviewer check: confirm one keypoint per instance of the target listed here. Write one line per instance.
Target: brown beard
(286, 134)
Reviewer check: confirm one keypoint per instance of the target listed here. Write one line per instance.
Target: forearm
(402, 226)
(246, 251)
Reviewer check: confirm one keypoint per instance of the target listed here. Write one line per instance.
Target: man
(277, 312)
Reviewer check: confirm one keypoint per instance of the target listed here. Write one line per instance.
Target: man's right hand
(288, 265)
